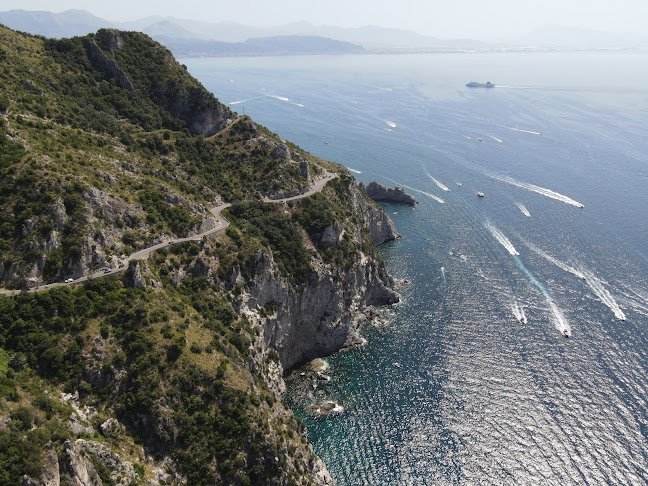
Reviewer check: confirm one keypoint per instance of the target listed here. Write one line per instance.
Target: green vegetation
(266, 222)
(99, 157)
(214, 412)
(71, 127)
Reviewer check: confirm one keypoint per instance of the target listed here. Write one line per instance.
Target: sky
(476, 19)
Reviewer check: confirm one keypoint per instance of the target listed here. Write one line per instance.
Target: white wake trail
(439, 184)
(555, 261)
(496, 139)
(560, 321)
(504, 241)
(524, 210)
(431, 196)
(603, 294)
(524, 131)
(354, 170)
(518, 312)
(391, 124)
(241, 101)
(590, 279)
(540, 190)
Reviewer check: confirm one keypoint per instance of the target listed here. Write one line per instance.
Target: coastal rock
(323, 314)
(378, 192)
(325, 409)
(376, 220)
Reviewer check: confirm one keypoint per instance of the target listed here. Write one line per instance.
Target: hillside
(169, 371)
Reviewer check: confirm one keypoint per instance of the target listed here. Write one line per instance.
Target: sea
(519, 351)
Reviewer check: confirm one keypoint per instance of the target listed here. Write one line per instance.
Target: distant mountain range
(195, 38)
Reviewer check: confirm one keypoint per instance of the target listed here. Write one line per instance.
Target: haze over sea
(489, 390)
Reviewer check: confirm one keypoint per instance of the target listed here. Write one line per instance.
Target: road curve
(221, 225)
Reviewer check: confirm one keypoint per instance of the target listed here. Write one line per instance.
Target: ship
(480, 194)
(475, 84)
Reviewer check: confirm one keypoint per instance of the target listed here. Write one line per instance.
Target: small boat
(566, 333)
(459, 184)
(479, 139)
(480, 194)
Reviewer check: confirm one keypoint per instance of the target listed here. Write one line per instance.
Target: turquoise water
(488, 389)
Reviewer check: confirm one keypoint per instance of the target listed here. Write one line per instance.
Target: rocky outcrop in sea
(378, 192)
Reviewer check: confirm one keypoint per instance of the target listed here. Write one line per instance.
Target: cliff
(170, 370)
(378, 192)
(323, 314)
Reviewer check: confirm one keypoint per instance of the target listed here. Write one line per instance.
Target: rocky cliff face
(377, 221)
(323, 315)
(199, 108)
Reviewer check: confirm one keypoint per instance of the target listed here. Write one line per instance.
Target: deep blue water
(482, 396)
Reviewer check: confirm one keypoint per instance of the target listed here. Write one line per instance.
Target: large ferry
(475, 84)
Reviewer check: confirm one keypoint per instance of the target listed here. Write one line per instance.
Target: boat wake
(539, 190)
(590, 279)
(524, 210)
(518, 312)
(603, 294)
(391, 124)
(439, 184)
(280, 98)
(524, 131)
(354, 170)
(504, 241)
(241, 101)
(431, 196)
(496, 139)
(560, 321)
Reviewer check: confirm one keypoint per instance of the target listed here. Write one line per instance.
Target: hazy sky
(482, 19)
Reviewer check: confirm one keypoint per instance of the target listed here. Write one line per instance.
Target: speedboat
(566, 333)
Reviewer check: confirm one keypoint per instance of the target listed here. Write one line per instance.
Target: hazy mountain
(65, 24)
(205, 38)
(261, 46)
(182, 37)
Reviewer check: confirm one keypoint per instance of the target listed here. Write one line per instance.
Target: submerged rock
(325, 409)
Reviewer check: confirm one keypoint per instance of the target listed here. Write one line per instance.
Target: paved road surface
(221, 226)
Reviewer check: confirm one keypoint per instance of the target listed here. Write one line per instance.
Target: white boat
(480, 194)
(459, 184)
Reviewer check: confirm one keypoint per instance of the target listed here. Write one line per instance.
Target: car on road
(69, 280)
(106, 270)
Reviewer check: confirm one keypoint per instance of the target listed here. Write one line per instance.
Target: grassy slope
(172, 361)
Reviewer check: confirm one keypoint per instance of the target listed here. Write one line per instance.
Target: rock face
(378, 223)
(378, 192)
(110, 67)
(322, 315)
(203, 114)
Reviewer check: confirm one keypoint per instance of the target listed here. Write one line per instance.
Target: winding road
(221, 225)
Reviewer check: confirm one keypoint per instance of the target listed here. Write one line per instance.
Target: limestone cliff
(323, 315)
